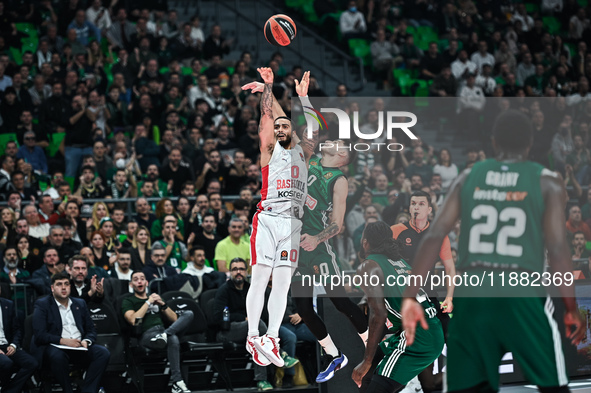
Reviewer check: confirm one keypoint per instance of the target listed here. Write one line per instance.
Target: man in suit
(13, 359)
(62, 320)
(89, 290)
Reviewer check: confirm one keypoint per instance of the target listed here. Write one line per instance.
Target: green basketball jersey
(175, 259)
(321, 182)
(502, 210)
(393, 291)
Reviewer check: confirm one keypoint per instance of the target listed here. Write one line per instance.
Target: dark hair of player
(381, 241)
(513, 131)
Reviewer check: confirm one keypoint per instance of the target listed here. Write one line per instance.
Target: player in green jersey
(509, 208)
(395, 363)
(324, 214)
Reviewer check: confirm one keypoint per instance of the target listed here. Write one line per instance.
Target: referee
(410, 235)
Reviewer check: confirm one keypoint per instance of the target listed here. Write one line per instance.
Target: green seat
(423, 89)
(551, 24)
(186, 70)
(29, 44)
(360, 48)
(27, 28)
(4, 139)
(531, 7)
(164, 70)
(156, 134)
(309, 11)
(400, 72)
(56, 141)
(405, 82)
(231, 70)
(16, 56)
(70, 181)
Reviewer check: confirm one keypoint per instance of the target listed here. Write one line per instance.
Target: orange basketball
(280, 30)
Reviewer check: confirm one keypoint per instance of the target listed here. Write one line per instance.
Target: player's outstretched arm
(378, 314)
(308, 141)
(427, 254)
(339, 199)
(266, 132)
(555, 198)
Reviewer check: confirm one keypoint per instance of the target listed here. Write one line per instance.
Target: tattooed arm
(339, 202)
(266, 132)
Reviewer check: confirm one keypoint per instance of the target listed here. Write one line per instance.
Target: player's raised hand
(573, 318)
(412, 313)
(266, 74)
(254, 87)
(301, 87)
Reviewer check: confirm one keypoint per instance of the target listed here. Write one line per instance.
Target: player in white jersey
(274, 243)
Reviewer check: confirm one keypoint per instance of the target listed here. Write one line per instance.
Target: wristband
(164, 307)
(148, 303)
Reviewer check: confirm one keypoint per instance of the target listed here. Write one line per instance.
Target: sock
(329, 346)
(364, 336)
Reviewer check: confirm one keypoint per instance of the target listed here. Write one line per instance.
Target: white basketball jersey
(285, 187)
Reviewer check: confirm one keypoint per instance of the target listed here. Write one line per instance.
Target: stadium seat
(360, 48)
(171, 295)
(56, 141)
(27, 28)
(4, 139)
(109, 334)
(206, 297)
(551, 24)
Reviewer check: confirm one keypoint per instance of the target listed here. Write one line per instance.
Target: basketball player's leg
(338, 296)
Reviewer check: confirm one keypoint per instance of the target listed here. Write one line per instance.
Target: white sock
(255, 298)
(329, 346)
(364, 336)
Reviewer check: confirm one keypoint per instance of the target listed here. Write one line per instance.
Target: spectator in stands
(13, 359)
(143, 215)
(99, 16)
(197, 265)
(232, 246)
(10, 110)
(232, 294)
(5, 80)
(214, 168)
(562, 143)
(122, 270)
(64, 320)
(580, 160)
(446, 169)
(176, 251)
(582, 93)
(215, 44)
(176, 172)
(520, 15)
(463, 66)
(575, 223)
(150, 310)
(22, 93)
(525, 69)
(140, 253)
(355, 216)
(32, 153)
(36, 228)
(485, 80)
(418, 166)
(13, 271)
(119, 34)
(579, 246)
(157, 268)
(103, 259)
(71, 237)
(432, 63)
(56, 240)
(482, 57)
(471, 102)
(534, 84)
(90, 186)
(164, 208)
(51, 265)
(445, 84)
(385, 53)
(90, 290)
(170, 29)
(352, 22)
(78, 140)
(578, 24)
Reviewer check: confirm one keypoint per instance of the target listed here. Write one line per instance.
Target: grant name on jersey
(501, 179)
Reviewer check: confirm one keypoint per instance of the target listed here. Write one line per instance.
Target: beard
(11, 265)
(286, 142)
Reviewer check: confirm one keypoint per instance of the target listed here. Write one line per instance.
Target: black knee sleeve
(380, 384)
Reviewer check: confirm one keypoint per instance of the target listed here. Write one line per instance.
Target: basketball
(280, 30)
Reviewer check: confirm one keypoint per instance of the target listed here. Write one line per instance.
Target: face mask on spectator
(353, 9)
